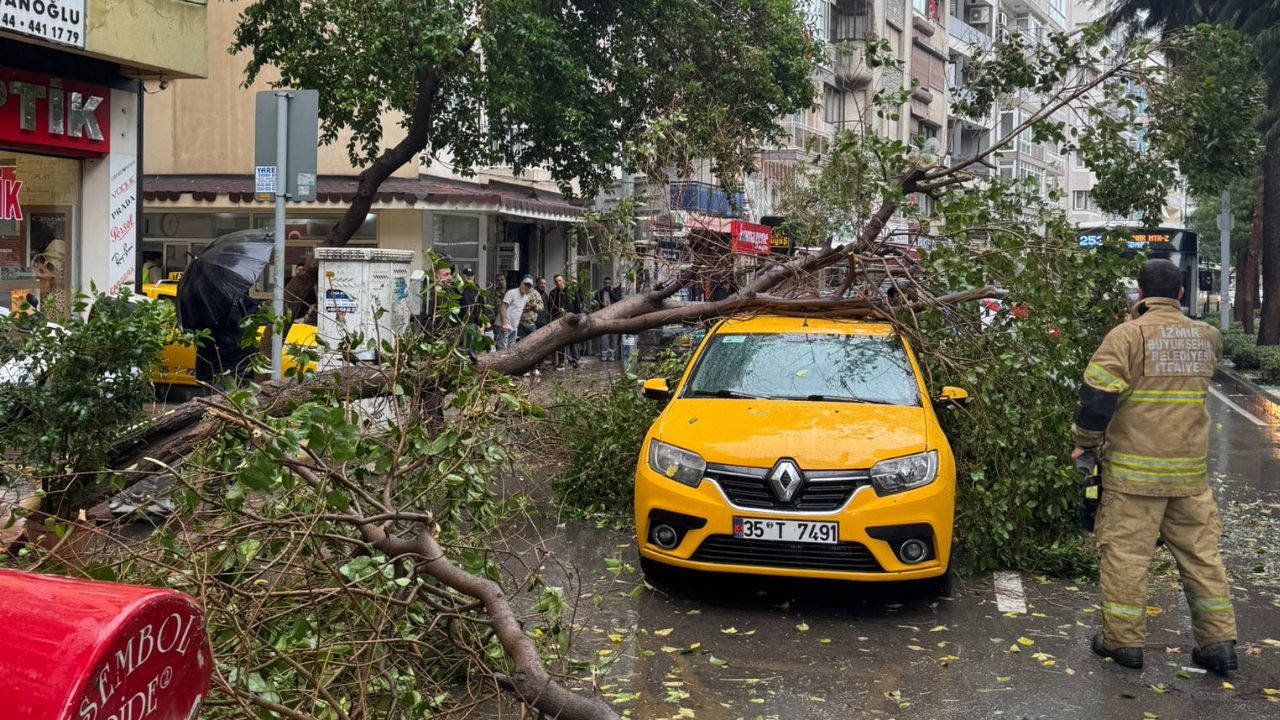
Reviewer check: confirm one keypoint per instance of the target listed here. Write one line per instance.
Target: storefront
(68, 184)
(73, 75)
(489, 228)
(171, 239)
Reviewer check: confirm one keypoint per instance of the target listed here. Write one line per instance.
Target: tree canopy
(568, 85)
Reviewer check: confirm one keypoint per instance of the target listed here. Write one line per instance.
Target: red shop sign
(66, 117)
(748, 237)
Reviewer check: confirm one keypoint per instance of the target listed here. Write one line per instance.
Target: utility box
(87, 650)
(354, 285)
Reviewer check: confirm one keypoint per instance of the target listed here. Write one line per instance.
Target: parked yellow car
(802, 448)
(178, 361)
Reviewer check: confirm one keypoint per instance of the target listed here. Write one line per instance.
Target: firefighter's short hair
(1160, 278)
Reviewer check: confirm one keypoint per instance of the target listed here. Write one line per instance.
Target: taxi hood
(817, 435)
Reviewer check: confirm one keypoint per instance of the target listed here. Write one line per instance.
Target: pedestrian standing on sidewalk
(604, 297)
(509, 312)
(563, 300)
(532, 309)
(544, 315)
(472, 309)
(1142, 410)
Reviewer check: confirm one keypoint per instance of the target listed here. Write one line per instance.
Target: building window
(853, 22)
(39, 238)
(927, 8)
(303, 233)
(923, 129)
(816, 17)
(172, 238)
(833, 105)
(1081, 200)
(457, 238)
(1079, 160)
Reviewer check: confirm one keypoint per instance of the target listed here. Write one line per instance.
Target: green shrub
(602, 432)
(86, 380)
(1269, 364)
(1233, 341)
(1242, 350)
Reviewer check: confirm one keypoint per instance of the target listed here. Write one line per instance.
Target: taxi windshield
(818, 367)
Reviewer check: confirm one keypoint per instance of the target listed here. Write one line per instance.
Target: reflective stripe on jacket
(1159, 363)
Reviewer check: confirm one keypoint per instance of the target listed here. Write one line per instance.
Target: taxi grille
(822, 491)
(841, 557)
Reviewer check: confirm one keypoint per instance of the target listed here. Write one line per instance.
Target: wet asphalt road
(728, 647)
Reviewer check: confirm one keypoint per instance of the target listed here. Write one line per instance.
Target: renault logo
(786, 479)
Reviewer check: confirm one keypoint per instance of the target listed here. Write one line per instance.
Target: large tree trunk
(1247, 286)
(1269, 332)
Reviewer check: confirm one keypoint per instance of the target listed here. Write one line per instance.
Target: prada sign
(55, 115)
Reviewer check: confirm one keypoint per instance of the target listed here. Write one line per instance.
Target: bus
(1169, 243)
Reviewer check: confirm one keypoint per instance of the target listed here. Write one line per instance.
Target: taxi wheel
(657, 574)
(943, 585)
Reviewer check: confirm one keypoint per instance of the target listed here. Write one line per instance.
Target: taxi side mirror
(656, 389)
(954, 395)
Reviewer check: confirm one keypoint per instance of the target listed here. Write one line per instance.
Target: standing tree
(566, 85)
(1259, 21)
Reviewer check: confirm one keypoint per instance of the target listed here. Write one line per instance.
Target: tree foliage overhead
(570, 85)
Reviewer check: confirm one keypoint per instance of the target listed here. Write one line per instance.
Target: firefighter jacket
(1143, 401)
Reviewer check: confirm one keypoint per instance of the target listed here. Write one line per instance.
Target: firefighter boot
(1219, 657)
(1124, 657)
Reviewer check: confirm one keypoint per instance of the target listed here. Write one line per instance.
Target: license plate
(786, 530)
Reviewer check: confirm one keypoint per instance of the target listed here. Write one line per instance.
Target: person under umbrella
(213, 295)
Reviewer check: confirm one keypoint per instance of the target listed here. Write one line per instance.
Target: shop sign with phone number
(58, 21)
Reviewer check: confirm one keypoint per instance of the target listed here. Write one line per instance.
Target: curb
(1235, 375)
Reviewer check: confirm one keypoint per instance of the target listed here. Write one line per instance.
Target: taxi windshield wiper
(832, 398)
(724, 394)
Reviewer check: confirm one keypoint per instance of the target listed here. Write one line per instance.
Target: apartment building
(916, 31)
(1079, 181)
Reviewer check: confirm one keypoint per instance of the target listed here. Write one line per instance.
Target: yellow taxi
(798, 447)
(178, 360)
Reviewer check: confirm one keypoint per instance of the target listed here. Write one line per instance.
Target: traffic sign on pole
(284, 153)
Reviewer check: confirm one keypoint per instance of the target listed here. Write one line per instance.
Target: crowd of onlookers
(509, 315)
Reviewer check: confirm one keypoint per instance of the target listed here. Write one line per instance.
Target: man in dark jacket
(223, 351)
(544, 315)
(472, 308)
(561, 301)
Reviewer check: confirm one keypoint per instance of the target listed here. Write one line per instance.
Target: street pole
(282, 189)
(1225, 221)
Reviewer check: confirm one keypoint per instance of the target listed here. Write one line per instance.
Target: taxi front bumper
(871, 532)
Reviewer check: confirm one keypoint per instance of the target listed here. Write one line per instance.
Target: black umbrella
(214, 289)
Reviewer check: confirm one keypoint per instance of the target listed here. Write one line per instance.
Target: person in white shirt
(510, 311)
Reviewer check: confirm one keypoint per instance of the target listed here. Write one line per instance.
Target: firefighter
(1142, 409)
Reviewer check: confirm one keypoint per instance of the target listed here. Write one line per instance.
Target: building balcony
(705, 199)
(849, 65)
(1044, 9)
(966, 37)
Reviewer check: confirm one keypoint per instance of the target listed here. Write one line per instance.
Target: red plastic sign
(50, 114)
(745, 237)
(84, 650)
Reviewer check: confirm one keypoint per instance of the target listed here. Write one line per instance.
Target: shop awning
(505, 198)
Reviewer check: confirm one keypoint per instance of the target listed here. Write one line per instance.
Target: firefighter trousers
(1127, 529)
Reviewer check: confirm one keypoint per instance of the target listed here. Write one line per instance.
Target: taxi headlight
(678, 464)
(904, 473)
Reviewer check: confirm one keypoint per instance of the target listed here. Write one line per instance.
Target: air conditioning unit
(1004, 20)
(979, 15)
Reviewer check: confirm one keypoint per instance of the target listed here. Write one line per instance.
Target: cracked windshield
(644, 360)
